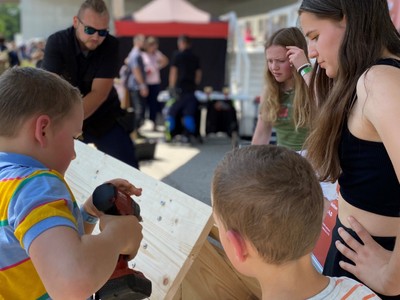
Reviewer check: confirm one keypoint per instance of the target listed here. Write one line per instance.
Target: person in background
(47, 249)
(268, 206)
(355, 135)
(286, 106)
(13, 54)
(285, 103)
(184, 77)
(86, 55)
(4, 55)
(37, 52)
(154, 60)
(138, 89)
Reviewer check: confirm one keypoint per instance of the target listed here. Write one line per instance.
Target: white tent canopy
(159, 11)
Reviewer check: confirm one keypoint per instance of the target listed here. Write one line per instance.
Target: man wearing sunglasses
(87, 56)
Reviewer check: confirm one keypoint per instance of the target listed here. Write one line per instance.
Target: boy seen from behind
(268, 206)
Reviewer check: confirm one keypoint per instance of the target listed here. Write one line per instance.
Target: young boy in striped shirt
(46, 247)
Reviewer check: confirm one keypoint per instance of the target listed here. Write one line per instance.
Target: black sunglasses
(90, 30)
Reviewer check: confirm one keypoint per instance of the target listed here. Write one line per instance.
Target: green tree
(9, 20)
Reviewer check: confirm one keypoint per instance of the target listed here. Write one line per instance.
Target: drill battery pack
(128, 287)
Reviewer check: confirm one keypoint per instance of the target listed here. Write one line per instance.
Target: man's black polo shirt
(64, 57)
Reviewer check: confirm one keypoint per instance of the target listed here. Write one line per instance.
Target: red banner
(172, 29)
(322, 246)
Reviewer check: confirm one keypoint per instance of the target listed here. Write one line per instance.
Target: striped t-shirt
(344, 288)
(33, 199)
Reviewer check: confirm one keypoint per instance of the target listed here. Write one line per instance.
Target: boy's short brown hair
(270, 195)
(27, 91)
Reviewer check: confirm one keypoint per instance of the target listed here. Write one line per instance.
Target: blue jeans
(139, 105)
(117, 143)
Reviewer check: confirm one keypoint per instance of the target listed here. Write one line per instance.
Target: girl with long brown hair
(355, 135)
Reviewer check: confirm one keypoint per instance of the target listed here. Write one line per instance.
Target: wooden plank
(175, 225)
(213, 277)
(250, 283)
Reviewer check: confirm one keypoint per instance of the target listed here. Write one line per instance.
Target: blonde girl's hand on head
(296, 56)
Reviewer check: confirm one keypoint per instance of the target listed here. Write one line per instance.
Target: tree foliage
(9, 20)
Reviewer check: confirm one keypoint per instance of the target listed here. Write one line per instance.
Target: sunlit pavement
(188, 168)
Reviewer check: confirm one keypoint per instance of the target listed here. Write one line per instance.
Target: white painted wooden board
(175, 225)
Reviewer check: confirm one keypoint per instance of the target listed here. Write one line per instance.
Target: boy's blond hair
(270, 195)
(26, 92)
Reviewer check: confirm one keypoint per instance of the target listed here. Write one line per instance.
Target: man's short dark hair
(98, 6)
(184, 38)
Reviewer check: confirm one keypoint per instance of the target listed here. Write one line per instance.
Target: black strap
(389, 62)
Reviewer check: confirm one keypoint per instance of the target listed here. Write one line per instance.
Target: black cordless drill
(124, 283)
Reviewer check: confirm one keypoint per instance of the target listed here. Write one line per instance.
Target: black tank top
(368, 180)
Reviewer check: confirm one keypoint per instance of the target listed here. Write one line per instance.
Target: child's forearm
(74, 267)
(88, 227)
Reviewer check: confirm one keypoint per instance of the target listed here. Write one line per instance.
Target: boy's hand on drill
(121, 184)
(126, 232)
(126, 186)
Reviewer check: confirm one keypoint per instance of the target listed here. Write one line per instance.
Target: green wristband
(305, 71)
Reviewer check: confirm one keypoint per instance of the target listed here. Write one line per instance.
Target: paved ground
(187, 168)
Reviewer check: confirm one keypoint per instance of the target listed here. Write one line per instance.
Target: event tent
(171, 11)
(166, 20)
(171, 18)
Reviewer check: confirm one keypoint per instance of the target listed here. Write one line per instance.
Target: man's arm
(103, 81)
(197, 77)
(137, 74)
(173, 76)
(101, 87)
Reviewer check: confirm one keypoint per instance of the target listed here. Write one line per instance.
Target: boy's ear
(42, 129)
(238, 244)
